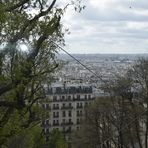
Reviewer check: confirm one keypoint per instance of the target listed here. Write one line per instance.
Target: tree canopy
(35, 25)
(121, 118)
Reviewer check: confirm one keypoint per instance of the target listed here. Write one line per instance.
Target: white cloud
(109, 26)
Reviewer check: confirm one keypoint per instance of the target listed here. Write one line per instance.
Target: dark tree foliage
(119, 120)
(35, 24)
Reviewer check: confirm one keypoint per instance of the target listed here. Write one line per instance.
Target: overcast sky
(108, 26)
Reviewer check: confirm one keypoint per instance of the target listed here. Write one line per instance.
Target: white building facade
(66, 105)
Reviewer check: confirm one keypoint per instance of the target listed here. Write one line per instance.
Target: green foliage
(56, 140)
(36, 24)
(30, 138)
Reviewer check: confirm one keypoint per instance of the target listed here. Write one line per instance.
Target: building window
(57, 121)
(69, 104)
(79, 105)
(57, 114)
(89, 96)
(57, 106)
(78, 121)
(63, 104)
(78, 96)
(47, 106)
(53, 114)
(77, 112)
(85, 96)
(54, 98)
(69, 113)
(64, 114)
(63, 120)
(69, 97)
(69, 120)
(63, 97)
(80, 112)
(54, 122)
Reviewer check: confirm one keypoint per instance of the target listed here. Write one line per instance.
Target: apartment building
(65, 105)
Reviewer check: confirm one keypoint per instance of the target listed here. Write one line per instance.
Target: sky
(108, 26)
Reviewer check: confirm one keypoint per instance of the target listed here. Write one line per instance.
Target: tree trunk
(146, 132)
(138, 132)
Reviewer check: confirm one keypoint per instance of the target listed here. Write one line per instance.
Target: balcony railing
(45, 125)
(80, 106)
(72, 99)
(65, 99)
(79, 115)
(55, 116)
(55, 107)
(66, 123)
(55, 124)
(67, 107)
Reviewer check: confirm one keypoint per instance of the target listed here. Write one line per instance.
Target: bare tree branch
(19, 4)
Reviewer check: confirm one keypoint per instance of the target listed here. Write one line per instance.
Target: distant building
(66, 104)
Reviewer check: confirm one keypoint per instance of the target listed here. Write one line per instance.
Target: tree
(119, 119)
(36, 25)
(139, 74)
(56, 140)
(109, 123)
(30, 138)
(95, 127)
